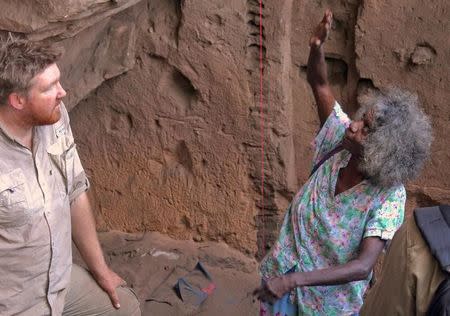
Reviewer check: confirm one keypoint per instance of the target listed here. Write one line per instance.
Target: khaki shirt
(409, 277)
(36, 188)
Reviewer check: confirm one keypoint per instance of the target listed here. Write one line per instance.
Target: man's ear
(16, 100)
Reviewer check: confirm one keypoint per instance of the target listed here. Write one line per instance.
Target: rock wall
(98, 37)
(168, 118)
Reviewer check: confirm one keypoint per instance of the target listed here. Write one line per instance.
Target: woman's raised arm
(317, 69)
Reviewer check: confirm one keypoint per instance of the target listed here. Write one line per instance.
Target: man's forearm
(84, 234)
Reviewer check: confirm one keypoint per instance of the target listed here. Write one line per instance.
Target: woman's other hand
(274, 289)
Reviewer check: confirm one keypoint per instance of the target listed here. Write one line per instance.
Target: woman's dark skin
(370, 247)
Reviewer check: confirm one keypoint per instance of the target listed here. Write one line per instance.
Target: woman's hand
(322, 30)
(274, 289)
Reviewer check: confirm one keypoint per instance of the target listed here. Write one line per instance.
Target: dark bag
(434, 224)
(196, 286)
(440, 305)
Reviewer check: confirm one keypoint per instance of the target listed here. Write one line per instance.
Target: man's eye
(49, 88)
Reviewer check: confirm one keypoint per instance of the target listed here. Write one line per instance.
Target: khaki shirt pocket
(14, 208)
(62, 154)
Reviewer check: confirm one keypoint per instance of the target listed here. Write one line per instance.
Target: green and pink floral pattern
(321, 229)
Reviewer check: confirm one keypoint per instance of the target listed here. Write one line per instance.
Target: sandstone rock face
(180, 144)
(411, 50)
(170, 156)
(98, 37)
(55, 16)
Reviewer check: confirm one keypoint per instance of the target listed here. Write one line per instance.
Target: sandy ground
(152, 263)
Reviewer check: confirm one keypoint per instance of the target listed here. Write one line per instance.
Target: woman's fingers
(322, 30)
(265, 295)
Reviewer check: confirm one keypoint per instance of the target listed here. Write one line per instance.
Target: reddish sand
(151, 263)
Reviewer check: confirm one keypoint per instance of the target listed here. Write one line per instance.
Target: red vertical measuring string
(261, 113)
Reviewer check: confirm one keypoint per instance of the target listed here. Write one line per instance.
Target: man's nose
(62, 93)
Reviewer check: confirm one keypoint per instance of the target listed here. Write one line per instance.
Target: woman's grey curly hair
(398, 142)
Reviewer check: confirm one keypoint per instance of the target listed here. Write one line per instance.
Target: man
(410, 274)
(43, 199)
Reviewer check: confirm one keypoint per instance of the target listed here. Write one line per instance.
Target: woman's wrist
(294, 279)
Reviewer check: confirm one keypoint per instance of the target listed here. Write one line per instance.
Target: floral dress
(321, 229)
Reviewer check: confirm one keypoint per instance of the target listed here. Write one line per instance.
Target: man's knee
(129, 303)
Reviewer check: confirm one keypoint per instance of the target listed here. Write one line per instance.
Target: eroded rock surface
(98, 37)
(417, 33)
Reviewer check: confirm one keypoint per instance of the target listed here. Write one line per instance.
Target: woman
(353, 202)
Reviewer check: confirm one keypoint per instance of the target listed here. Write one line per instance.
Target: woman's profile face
(357, 132)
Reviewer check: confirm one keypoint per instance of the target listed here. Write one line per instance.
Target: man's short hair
(20, 61)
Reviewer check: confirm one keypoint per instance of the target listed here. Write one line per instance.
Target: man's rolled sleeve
(77, 180)
(80, 184)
